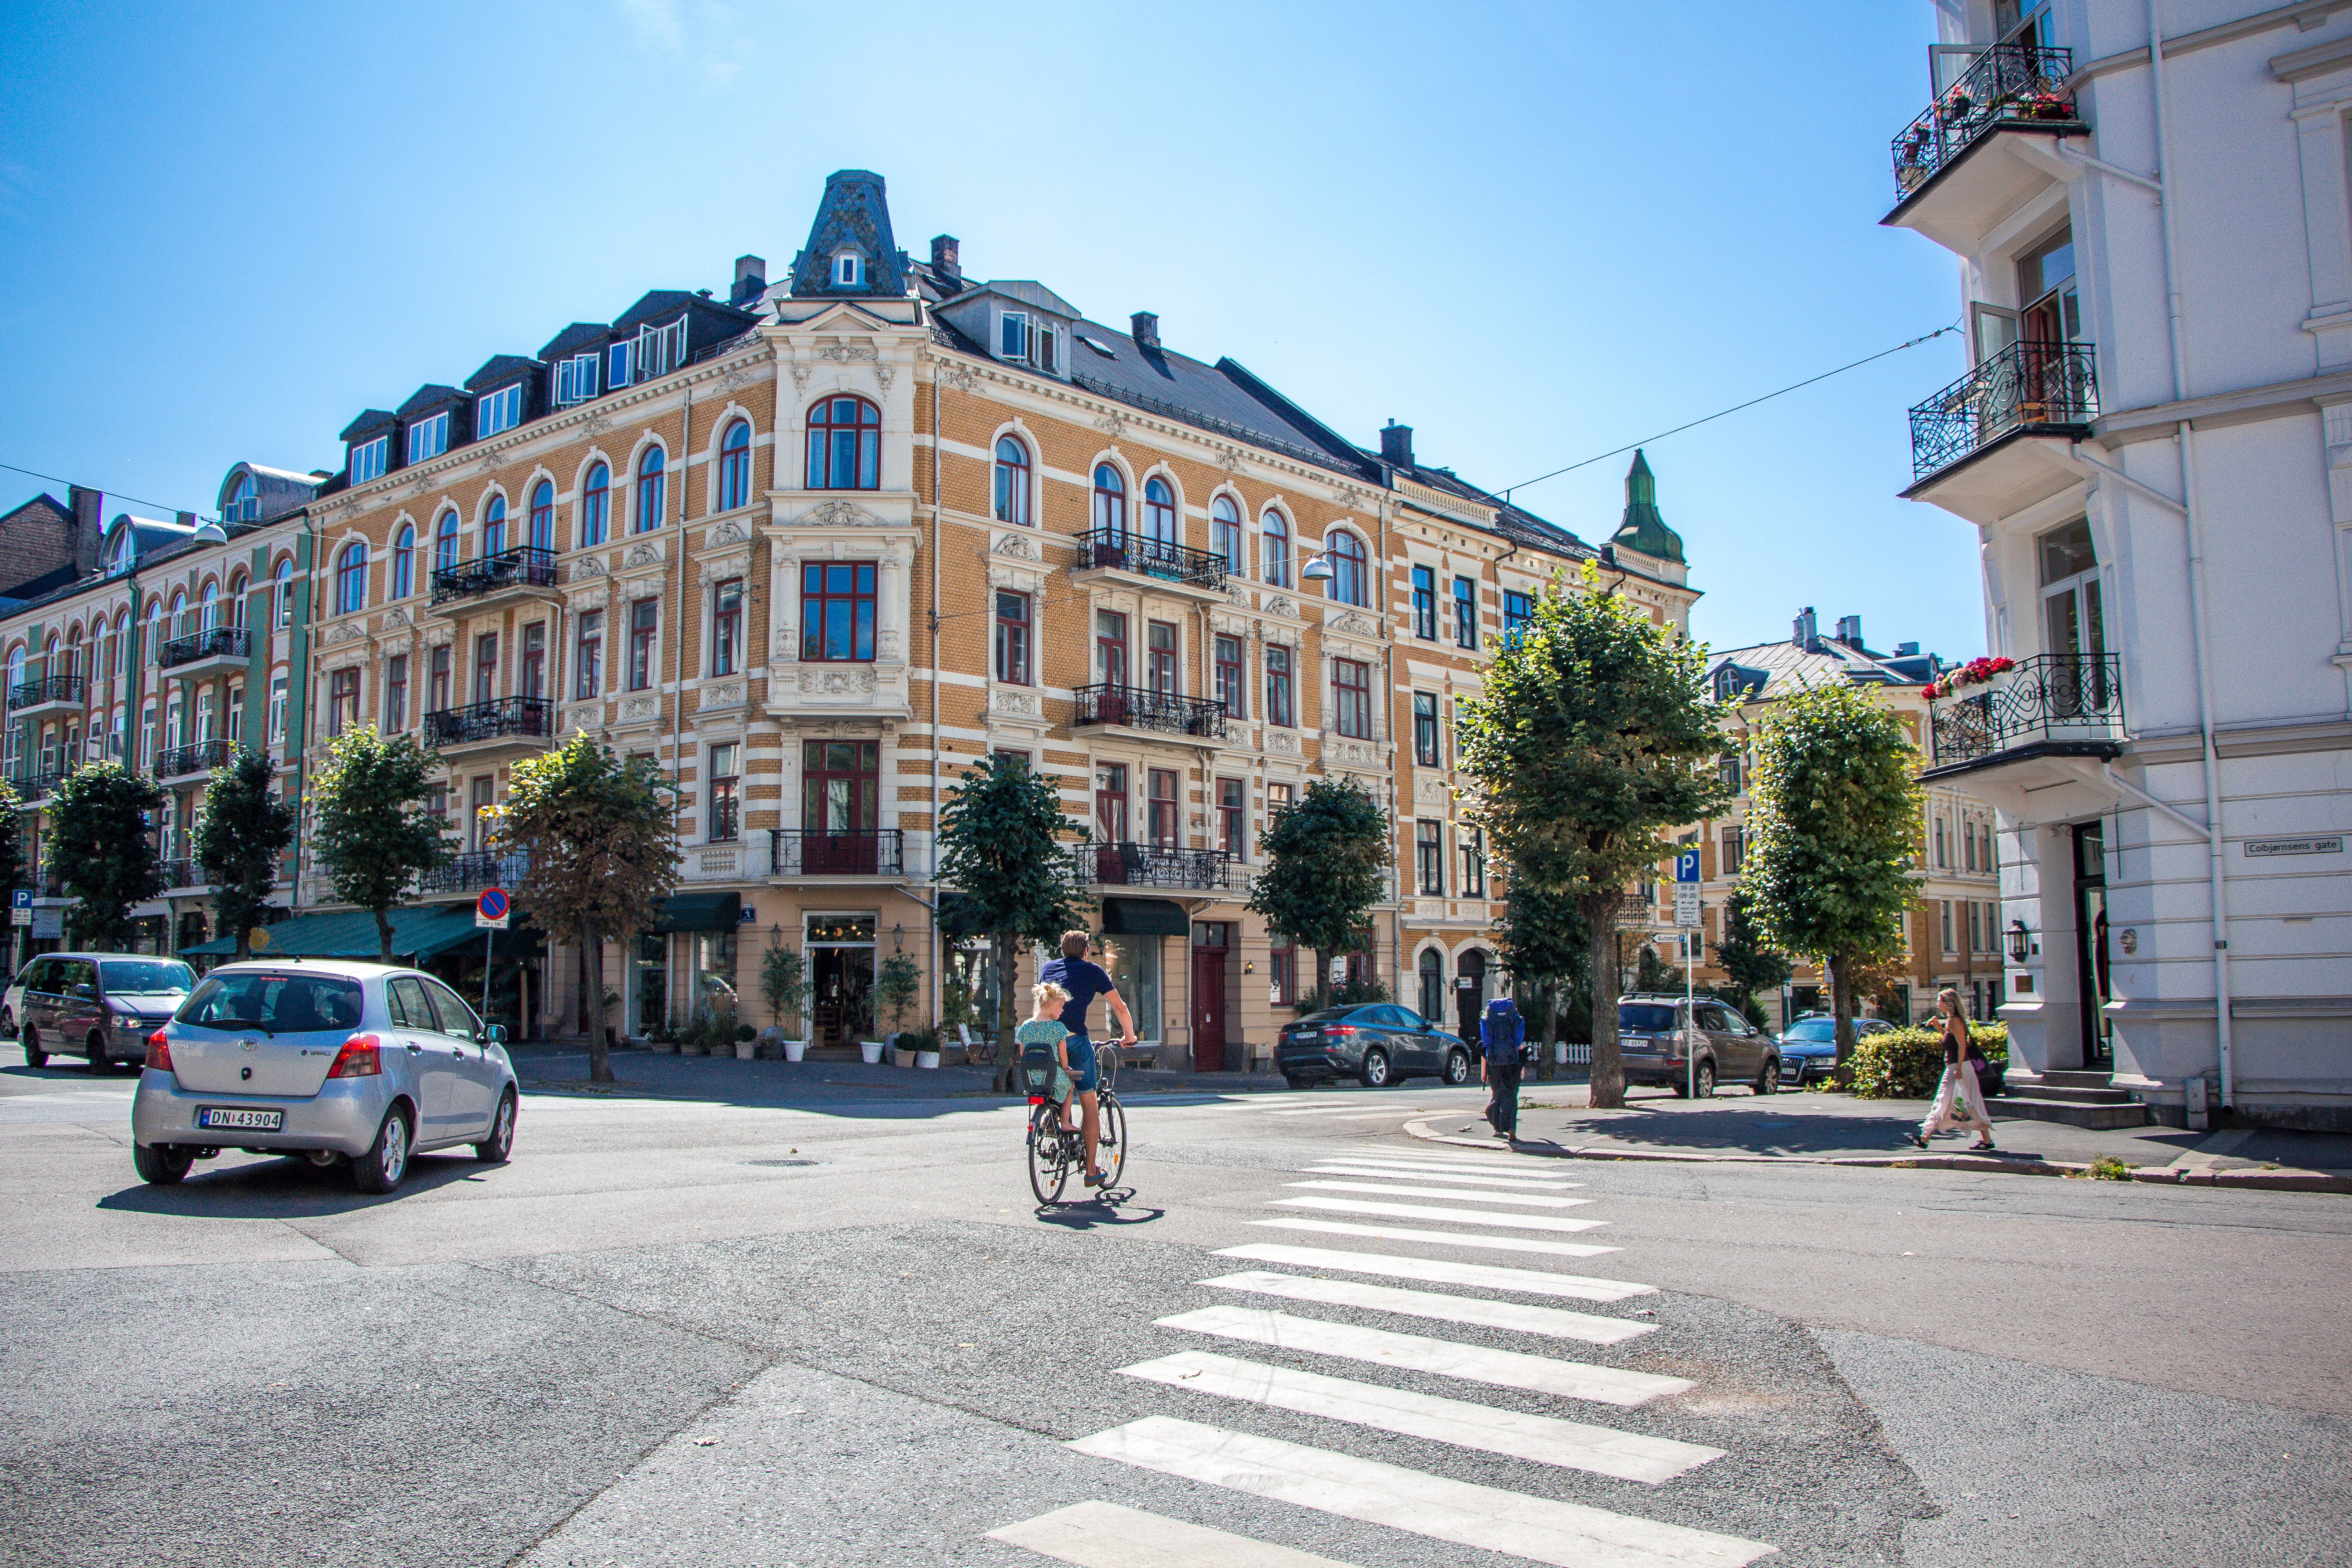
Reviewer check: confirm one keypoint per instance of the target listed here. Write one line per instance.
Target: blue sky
(1533, 232)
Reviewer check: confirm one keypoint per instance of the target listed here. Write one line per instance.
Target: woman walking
(1963, 1059)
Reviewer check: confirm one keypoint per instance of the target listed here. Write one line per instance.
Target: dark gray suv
(1728, 1048)
(1376, 1043)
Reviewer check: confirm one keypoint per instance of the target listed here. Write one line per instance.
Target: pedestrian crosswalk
(1473, 1396)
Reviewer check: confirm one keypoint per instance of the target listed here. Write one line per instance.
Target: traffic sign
(20, 907)
(1686, 904)
(1686, 865)
(492, 911)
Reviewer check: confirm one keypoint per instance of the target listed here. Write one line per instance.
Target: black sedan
(1375, 1043)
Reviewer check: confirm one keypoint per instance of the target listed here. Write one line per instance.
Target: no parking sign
(491, 910)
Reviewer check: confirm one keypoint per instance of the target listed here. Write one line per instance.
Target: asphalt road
(839, 1331)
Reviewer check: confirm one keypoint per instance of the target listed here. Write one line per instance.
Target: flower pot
(901, 1058)
(745, 1050)
(665, 1047)
(927, 1059)
(869, 1051)
(795, 1050)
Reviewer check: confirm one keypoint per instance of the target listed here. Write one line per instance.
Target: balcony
(812, 852)
(1199, 573)
(489, 579)
(34, 784)
(2054, 705)
(515, 724)
(1154, 713)
(219, 651)
(1979, 151)
(182, 875)
(472, 873)
(45, 695)
(1998, 439)
(176, 764)
(1151, 866)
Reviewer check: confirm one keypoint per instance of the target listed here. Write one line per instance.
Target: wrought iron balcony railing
(2052, 696)
(1141, 707)
(231, 642)
(471, 873)
(184, 872)
(47, 688)
(814, 852)
(1152, 866)
(2007, 84)
(501, 716)
(1122, 551)
(201, 757)
(527, 566)
(2028, 386)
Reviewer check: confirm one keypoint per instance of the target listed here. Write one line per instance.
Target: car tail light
(359, 1058)
(1339, 1028)
(159, 1052)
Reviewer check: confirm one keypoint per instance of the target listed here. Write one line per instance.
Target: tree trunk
(1547, 1068)
(383, 935)
(1008, 973)
(1599, 912)
(1322, 978)
(1841, 968)
(591, 954)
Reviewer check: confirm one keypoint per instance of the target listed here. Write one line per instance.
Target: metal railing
(813, 852)
(2051, 696)
(471, 872)
(35, 783)
(526, 566)
(489, 720)
(185, 872)
(234, 642)
(2007, 84)
(2025, 386)
(1151, 866)
(1141, 707)
(199, 757)
(47, 688)
(1106, 548)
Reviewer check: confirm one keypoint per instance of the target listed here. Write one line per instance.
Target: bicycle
(1055, 1151)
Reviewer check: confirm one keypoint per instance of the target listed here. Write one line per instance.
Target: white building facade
(2149, 199)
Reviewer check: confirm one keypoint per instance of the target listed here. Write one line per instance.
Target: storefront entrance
(841, 970)
(1210, 940)
(2091, 945)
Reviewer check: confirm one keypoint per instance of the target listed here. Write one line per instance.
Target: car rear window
(1330, 1015)
(145, 976)
(1644, 1018)
(281, 1004)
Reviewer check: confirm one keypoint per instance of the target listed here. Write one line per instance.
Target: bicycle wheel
(1111, 1145)
(1049, 1154)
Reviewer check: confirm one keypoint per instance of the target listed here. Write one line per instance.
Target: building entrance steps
(2076, 1099)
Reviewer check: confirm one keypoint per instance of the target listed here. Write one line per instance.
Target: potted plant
(869, 1052)
(897, 987)
(784, 986)
(924, 1044)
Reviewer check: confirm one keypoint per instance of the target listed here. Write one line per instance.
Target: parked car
(98, 1005)
(1374, 1042)
(1809, 1046)
(1652, 1033)
(11, 1001)
(336, 1061)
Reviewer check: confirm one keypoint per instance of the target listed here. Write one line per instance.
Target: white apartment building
(2149, 199)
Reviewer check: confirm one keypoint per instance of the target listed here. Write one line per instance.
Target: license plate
(243, 1121)
(1307, 1034)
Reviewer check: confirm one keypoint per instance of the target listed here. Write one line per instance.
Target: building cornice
(2157, 420)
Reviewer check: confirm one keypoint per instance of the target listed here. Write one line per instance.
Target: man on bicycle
(1085, 981)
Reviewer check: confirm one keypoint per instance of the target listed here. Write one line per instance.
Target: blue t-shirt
(1084, 981)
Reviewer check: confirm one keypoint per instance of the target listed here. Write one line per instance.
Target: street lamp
(1317, 568)
(2020, 942)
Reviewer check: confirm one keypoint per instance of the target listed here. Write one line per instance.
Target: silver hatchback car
(354, 1061)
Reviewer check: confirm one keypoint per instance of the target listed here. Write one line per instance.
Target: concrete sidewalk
(1555, 1120)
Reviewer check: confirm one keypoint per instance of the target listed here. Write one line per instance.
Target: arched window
(124, 554)
(73, 653)
(652, 492)
(236, 592)
(211, 616)
(282, 591)
(178, 625)
(1432, 987)
(542, 516)
(1273, 549)
(494, 527)
(1011, 481)
(444, 541)
(1225, 533)
(1347, 552)
(245, 506)
(735, 466)
(596, 506)
(404, 562)
(1158, 512)
(351, 576)
(845, 445)
(1110, 502)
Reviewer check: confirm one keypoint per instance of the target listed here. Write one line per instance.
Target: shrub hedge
(1906, 1064)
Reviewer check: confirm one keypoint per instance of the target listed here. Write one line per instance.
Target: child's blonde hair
(1041, 993)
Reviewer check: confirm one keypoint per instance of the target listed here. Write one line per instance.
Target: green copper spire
(1643, 529)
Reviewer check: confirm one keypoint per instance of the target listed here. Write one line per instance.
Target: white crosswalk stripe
(1435, 1271)
(1422, 1173)
(1555, 1322)
(1547, 1440)
(1437, 1237)
(1419, 1353)
(1425, 1211)
(1544, 1530)
(1105, 1535)
(1536, 1200)
(1341, 1111)
(1497, 1161)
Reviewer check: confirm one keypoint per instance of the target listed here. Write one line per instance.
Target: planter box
(927, 1059)
(901, 1058)
(747, 1050)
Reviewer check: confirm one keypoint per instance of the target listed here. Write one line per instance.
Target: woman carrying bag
(1963, 1060)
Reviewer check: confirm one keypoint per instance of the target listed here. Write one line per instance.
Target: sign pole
(1690, 1016)
(491, 912)
(490, 939)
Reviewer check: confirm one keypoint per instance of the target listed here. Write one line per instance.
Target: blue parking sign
(1686, 865)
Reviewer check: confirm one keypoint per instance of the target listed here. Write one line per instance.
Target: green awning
(418, 934)
(701, 911)
(1144, 917)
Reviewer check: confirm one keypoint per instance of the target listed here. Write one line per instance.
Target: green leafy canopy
(1834, 823)
(370, 828)
(1324, 856)
(243, 831)
(100, 849)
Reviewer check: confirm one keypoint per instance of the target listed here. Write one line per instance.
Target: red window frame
(1231, 687)
(1159, 512)
(588, 657)
(1160, 786)
(1110, 803)
(542, 516)
(596, 506)
(1011, 478)
(735, 466)
(653, 492)
(351, 579)
(845, 445)
(1351, 697)
(1110, 648)
(645, 624)
(342, 701)
(1160, 656)
(1428, 857)
(532, 677)
(1233, 815)
(837, 611)
(726, 626)
(395, 693)
(1013, 638)
(440, 692)
(857, 766)
(1281, 970)
(485, 667)
(1277, 687)
(1110, 501)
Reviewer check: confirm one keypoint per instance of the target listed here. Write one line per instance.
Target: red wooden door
(1208, 1010)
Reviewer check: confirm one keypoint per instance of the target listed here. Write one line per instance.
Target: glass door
(2091, 979)
(841, 790)
(2074, 622)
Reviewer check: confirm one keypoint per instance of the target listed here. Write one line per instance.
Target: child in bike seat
(1044, 1057)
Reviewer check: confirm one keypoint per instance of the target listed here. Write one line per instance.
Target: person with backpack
(1500, 1034)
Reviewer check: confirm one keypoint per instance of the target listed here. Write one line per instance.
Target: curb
(2161, 1175)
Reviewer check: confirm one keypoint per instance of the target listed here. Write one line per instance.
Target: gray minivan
(98, 1006)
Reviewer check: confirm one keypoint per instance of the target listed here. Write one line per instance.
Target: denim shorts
(1082, 1063)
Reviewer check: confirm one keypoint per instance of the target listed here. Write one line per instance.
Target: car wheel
(1457, 1067)
(1769, 1080)
(380, 1168)
(98, 1064)
(494, 1149)
(1375, 1071)
(1294, 1080)
(161, 1165)
(1706, 1081)
(34, 1056)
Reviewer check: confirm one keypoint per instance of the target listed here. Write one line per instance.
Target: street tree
(1750, 964)
(243, 831)
(1592, 738)
(370, 828)
(1323, 855)
(14, 870)
(1832, 831)
(101, 849)
(599, 838)
(1544, 945)
(1000, 846)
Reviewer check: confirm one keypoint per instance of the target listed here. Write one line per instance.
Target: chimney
(1144, 328)
(947, 257)
(1396, 445)
(1849, 630)
(184, 519)
(1806, 632)
(751, 280)
(88, 527)
(1907, 650)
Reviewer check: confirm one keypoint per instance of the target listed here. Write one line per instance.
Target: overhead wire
(72, 484)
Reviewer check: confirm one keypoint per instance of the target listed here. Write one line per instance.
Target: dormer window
(617, 364)
(1012, 339)
(368, 458)
(428, 438)
(848, 270)
(246, 505)
(661, 349)
(575, 378)
(501, 410)
(1048, 342)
